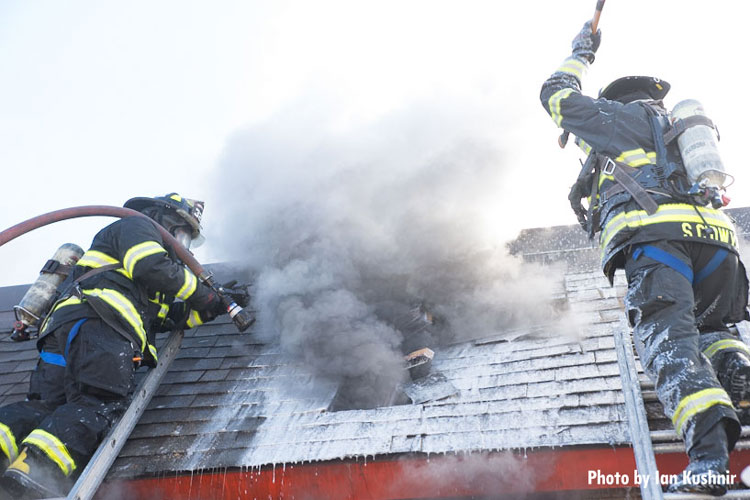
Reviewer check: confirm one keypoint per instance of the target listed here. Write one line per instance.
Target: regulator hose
(242, 318)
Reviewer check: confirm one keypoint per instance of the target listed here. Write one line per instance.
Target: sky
(103, 101)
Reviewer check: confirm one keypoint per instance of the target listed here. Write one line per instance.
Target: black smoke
(357, 230)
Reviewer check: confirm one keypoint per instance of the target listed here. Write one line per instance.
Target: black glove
(586, 42)
(237, 294)
(207, 302)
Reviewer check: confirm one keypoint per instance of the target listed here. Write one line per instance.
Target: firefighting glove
(237, 293)
(577, 192)
(206, 302)
(586, 43)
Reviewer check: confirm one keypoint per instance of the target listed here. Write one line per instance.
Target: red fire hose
(243, 319)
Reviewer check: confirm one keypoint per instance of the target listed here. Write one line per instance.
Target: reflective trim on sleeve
(697, 403)
(554, 104)
(138, 252)
(189, 286)
(573, 66)
(724, 344)
(671, 212)
(122, 305)
(95, 258)
(8, 442)
(152, 350)
(582, 144)
(194, 319)
(53, 448)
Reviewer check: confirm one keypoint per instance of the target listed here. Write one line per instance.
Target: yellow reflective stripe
(189, 286)
(70, 301)
(53, 448)
(163, 311)
(573, 66)
(138, 252)
(582, 144)
(8, 442)
(720, 345)
(95, 258)
(670, 212)
(636, 157)
(122, 305)
(696, 403)
(152, 350)
(554, 104)
(194, 319)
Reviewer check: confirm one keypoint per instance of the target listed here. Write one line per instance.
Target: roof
(233, 400)
(230, 399)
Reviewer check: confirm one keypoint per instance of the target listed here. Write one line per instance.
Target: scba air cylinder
(42, 293)
(698, 148)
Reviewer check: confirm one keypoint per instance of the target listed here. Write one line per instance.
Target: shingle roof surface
(237, 400)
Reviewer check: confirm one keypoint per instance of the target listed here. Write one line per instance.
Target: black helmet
(190, 211)
(632, 88)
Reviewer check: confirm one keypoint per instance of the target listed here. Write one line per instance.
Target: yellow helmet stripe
(723, 344)
(138, 252)
(695, 403)
(8, 442)
(189, 286)
(554, 104)
(53, 448)
(122, 305)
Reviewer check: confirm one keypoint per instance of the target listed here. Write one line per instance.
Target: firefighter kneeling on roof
(124, 289)
(648, 199)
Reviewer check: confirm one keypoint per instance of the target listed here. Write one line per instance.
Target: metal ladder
(96, 470)
(645, 442)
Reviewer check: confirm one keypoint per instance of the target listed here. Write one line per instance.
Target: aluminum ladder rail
(96, 470)
(646, 444)
(640, 437)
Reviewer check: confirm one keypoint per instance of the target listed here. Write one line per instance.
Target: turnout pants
(681, 295)
(81, 385)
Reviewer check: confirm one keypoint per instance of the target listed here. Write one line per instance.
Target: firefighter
(686, 284)
(124, 289)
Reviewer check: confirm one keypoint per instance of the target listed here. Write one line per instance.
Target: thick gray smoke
(352, 228)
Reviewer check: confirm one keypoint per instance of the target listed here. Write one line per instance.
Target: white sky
(101, 101)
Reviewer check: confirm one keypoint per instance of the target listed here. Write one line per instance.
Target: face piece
(183, 235)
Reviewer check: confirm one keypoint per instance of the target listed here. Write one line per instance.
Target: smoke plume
(358, 230)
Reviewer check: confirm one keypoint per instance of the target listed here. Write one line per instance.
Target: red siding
(405, 477)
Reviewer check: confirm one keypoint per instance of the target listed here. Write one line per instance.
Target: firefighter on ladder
(686, 283)
(124, 289)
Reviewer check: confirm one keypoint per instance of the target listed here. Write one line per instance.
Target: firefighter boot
(709, 465)
(33, 475)
(734, 375)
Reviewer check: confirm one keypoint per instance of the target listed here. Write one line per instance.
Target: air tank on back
(698, 148)
(42, 293)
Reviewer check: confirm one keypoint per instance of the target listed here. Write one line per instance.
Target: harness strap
(665, 258)
(670, 260)
(712, 265)
(679, 126)
(639, 194)
(59, 359)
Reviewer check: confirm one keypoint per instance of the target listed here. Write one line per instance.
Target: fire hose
(241, 317)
